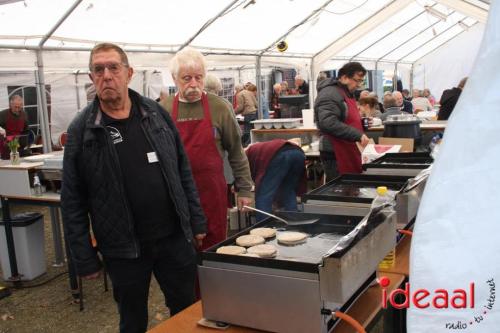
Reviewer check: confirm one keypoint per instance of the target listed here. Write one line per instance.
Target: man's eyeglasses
(359, 81)
(114, 68)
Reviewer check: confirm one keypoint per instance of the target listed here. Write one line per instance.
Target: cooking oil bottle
(383, 198)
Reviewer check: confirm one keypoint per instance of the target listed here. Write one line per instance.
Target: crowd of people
(146, 178)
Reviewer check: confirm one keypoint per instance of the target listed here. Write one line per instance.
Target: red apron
(14, 125)
(208, 170)
(346, 152)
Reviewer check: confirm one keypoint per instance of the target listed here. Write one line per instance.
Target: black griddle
(401, 161)
(305, 257)
(355, 188)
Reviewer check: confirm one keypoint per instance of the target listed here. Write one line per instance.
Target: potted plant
(13, 145)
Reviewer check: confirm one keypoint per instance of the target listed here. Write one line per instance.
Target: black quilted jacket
(92, 185)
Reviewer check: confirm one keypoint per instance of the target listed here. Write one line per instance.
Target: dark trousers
(172, 260)
(245, 138)
(280, 182)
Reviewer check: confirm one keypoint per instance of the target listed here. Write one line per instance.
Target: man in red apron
(337, 116)
(13, 120)
(207, 128)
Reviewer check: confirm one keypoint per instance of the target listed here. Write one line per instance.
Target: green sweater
(228, 135)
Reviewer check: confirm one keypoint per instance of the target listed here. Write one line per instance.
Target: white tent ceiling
(54, 37)
(385, 30)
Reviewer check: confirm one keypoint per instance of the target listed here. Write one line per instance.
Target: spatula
(298, 222)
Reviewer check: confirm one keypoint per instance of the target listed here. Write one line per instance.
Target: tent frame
(315, 60)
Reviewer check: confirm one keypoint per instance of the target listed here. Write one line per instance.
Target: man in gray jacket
(126, 173)
(338, 118)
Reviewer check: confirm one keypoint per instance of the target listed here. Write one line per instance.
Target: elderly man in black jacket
(126, 172)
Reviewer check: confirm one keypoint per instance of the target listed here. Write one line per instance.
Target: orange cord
(350, 320)
(405, 232)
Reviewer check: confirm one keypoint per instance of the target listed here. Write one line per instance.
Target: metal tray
(323, 236)
(355, 188)
(401, 161)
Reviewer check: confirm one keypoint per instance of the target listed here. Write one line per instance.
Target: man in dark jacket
(338, 118)
(125, 168)
(449, 99)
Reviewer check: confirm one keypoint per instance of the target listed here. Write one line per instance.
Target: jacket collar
(95, 116)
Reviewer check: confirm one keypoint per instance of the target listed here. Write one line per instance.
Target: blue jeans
(280, 182)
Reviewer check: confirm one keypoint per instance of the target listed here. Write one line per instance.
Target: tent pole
(411, 77)
(40, 82)
(259, 88)
(388, 34)
(78, 102)
(207, 24)
(145, 83)
(375, 79)
(42, 104)
(395, 78)
(314, 12)
(312, 85)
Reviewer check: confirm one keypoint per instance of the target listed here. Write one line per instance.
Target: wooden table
(364, 310)
(309, 135)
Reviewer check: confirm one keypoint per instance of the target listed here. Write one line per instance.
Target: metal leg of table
(11, 249)
(57, 238)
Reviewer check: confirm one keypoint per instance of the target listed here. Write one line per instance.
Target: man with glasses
(338, 118)
(126, 173)
(208, 127)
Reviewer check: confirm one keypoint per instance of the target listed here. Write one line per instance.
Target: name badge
(152, 158)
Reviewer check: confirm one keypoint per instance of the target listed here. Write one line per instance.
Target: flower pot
(14, 158)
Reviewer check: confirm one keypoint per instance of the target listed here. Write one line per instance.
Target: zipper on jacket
(114, 159)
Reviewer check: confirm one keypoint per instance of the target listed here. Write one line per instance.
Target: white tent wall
(446, 66)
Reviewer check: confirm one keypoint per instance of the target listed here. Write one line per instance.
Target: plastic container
(37, 186)
(29, 241)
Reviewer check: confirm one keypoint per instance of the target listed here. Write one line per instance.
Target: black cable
(41, 283)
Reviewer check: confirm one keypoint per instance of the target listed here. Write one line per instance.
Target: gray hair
(238, 87)
(103, 47)
(298, 77)
(397, 94)
(15, 97)
(212, 84)
(188, 57)
(389, 101)
(276, 85)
